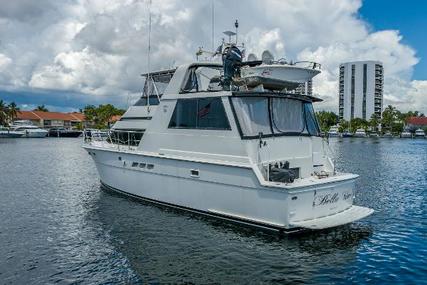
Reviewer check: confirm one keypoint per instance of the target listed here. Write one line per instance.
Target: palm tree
(12, 111)
(41, 108)
(3, 113)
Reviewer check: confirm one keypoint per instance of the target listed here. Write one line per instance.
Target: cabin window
(252, 114)
(274, 116)
(202, 78)
(311, 121)
(287, 115)
(200, 113)
(154, 100)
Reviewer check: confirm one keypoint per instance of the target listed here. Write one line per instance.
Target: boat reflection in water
(164, 245)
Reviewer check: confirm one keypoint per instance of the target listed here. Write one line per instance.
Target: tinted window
(154, 100)
(311, 121)
(201, 113)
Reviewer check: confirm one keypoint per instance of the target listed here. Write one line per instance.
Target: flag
(204, 111)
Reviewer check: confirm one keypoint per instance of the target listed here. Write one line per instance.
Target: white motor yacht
(8, 133)
(419, 133)
(387, 134)
(29, 130)
(406, 134)
(360, 133)
(333, 132)
(255, 157)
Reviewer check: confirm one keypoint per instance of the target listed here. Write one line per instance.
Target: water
(58, 226)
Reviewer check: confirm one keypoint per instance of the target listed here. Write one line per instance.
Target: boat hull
(11, 134)
(35, 134)
(228, 192)
(277, 76)
(65, 134)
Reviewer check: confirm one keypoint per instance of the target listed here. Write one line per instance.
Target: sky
(66, 54)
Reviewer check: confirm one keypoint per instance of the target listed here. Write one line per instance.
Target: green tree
(374, 122)
(344, 125)
(358, 123)
(389, 116)
(326, 119)
(101, 115)
(13, 110)
(41, 108)
(7, 112)
(3, 113)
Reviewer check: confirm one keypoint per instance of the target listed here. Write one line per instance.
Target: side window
(203, 113)
(185, 114)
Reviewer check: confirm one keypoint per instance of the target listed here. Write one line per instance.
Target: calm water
(58, 226)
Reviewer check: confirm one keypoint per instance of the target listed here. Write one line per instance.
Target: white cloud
(99, 47)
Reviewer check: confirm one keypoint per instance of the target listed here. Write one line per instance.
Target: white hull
(11, 134)
(333, 134)
(229, 192)
(35, 134)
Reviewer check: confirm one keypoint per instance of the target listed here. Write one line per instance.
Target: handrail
(114, 137)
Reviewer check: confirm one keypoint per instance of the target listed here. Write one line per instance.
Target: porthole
(135, 164)
(120, 158)
(150, 166)
(142, 165)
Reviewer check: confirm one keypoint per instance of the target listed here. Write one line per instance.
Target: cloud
(98, 48)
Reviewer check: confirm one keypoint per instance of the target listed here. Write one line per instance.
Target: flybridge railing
(120, 139)
(308, 64)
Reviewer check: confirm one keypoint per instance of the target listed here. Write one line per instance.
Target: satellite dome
(267, 57)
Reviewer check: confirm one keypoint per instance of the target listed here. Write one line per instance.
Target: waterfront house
(53, 119)
(413, 123)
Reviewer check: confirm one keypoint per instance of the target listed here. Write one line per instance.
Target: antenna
(236, 24)
(213, 24)
(148, 54)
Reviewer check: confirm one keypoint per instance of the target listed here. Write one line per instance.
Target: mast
(148, 55)
(213, 24)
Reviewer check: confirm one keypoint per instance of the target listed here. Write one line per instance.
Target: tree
(101, 115)
(358, 123)
(12, 111)
(374, 121)
(389, 116)
(3, 113)
(326, 119)
(41, 108)
(7, 112)
(344, 125)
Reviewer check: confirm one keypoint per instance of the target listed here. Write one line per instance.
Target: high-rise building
(305, 88)
(360, 89)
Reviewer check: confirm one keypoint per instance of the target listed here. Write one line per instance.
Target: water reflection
(164, 245)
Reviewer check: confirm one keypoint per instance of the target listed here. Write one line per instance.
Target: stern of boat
(325, 205)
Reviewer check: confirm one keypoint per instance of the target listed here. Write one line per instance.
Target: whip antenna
(148, 54)
(213, 24)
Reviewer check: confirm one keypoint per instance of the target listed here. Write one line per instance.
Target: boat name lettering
(326, 199)
(266, 72)
(347, 195)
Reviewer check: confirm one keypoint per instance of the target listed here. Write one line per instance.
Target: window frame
(190, 71)
(304, 98)
(228, 128)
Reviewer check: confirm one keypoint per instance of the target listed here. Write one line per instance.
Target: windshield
(203, 78)
(273, 116)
